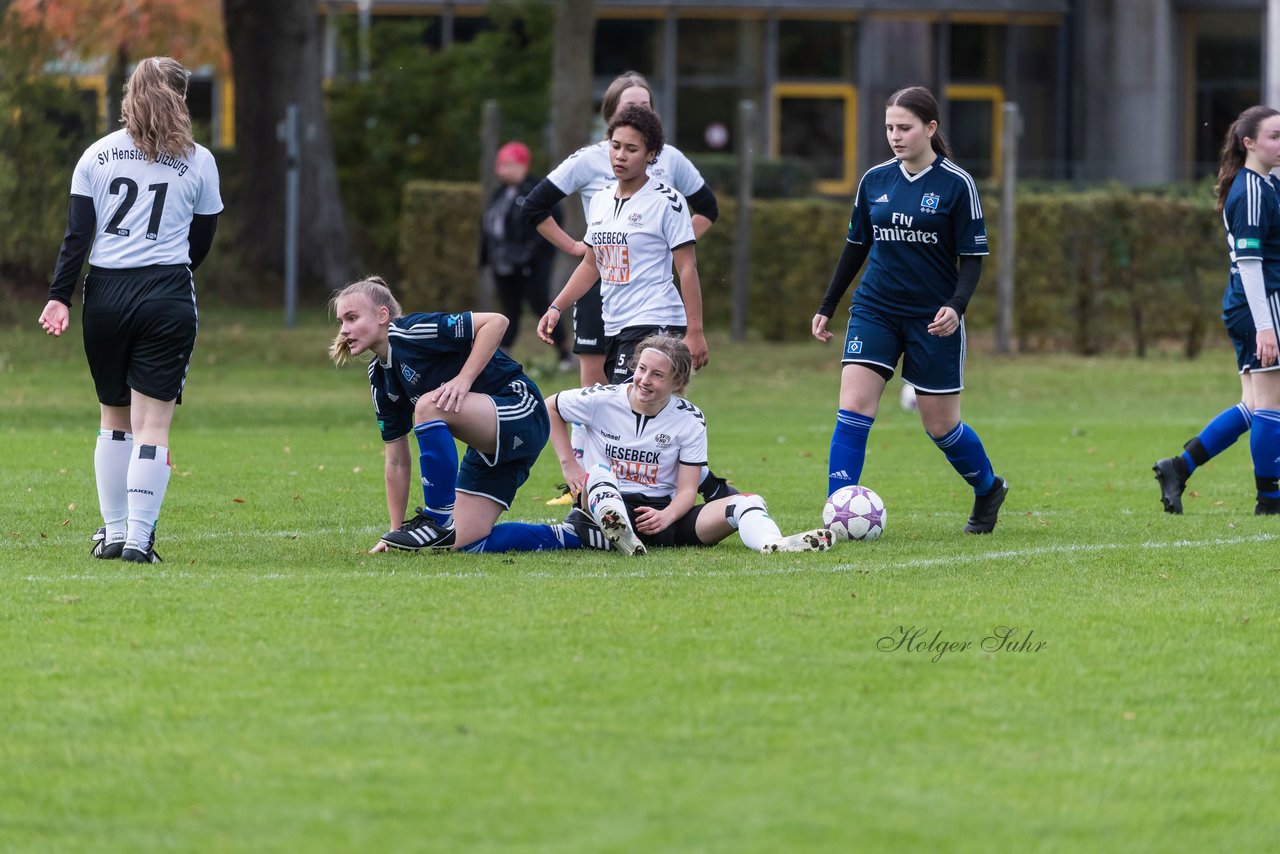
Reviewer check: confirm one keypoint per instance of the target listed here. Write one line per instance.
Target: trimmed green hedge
(1108, 270)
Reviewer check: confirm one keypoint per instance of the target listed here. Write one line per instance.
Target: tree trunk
(276, 60)
(572, 59)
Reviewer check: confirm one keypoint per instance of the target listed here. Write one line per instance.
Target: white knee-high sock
(111, 468)
(603, 493)
(749, 514)
(148, 480)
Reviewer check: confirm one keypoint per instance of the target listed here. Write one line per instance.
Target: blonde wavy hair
(154, 109)
(374, 289)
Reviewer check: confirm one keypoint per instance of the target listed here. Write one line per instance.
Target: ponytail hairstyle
(1231, 159)
(372, 288)
(613, 94)
(154, 109)
(677, 353)
(644, 121)
(920, 101)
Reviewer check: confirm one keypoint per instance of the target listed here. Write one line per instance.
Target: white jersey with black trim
(632, 240)
(644, 452)
(144, 208)
(588, 171)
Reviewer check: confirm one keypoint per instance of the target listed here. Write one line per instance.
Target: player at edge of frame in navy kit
(144, 208)
(586, 172)
(917, 223)
(643, 455)
(1249, 201)
(440, 377)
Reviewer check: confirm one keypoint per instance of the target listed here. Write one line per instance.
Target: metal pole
(1271, 56)
(490, 121)
(741, 288)
(1008, 226)
(364, 9)
(288, 133)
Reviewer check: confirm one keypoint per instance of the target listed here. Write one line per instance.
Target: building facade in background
(1138, 91)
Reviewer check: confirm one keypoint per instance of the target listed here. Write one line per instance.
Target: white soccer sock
(111, 468)
(577, 439)
(603, 493)
(148, 479)
(749, 514)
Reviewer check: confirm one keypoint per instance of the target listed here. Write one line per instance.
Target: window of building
(973, 125)
(817, 123)
(627, 45)
(706, 47)
(817, 50)
(977, 53)
(1225, 71)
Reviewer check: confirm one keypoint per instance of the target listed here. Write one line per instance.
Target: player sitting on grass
(442, 376)
(642, 459)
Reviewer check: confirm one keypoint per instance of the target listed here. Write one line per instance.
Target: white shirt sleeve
(1255, 291)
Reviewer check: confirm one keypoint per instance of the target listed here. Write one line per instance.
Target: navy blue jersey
(1251, 216)
(424, 351)
(917, 226)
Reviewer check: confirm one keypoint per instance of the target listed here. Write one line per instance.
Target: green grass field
(272, 687)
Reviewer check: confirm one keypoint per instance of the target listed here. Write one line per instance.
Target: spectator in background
(512, 248)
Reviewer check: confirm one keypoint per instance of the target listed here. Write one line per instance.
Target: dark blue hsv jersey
(424, 351)
(916, 226)
(1251, 215)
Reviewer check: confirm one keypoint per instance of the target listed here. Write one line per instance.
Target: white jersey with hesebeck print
(588, 170)
(644, 452)
(144, 208)
(632, 240)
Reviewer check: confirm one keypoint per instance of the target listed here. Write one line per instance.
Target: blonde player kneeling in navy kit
(144, 208)
(441, 377)
(918, 224)
(643, 456)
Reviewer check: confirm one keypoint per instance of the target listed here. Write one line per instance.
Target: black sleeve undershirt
(851, 260)
(76, 243)
(966, 282)
(541, 200)
(200, 237)
(703, 202)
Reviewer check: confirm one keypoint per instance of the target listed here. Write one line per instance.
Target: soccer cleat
(565, 497)
(1267, 506)
(585, 528)
(147, 555)
(817, 540)
(420, 533)
(1173, 481)
(104, 550)
(619, 531)
(986, 508)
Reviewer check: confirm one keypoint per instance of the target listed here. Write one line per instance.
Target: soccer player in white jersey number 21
(917, 223)
(144, 208)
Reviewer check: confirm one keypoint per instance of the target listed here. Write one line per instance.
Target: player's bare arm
(488, 328)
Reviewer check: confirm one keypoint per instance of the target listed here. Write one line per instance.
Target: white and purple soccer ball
(854, 513)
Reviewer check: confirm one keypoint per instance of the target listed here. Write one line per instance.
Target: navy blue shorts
(523, 430)
(930, 363)
(1244, 336)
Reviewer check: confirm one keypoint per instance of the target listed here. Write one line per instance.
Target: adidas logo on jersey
(884, 199)
(516, 442)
